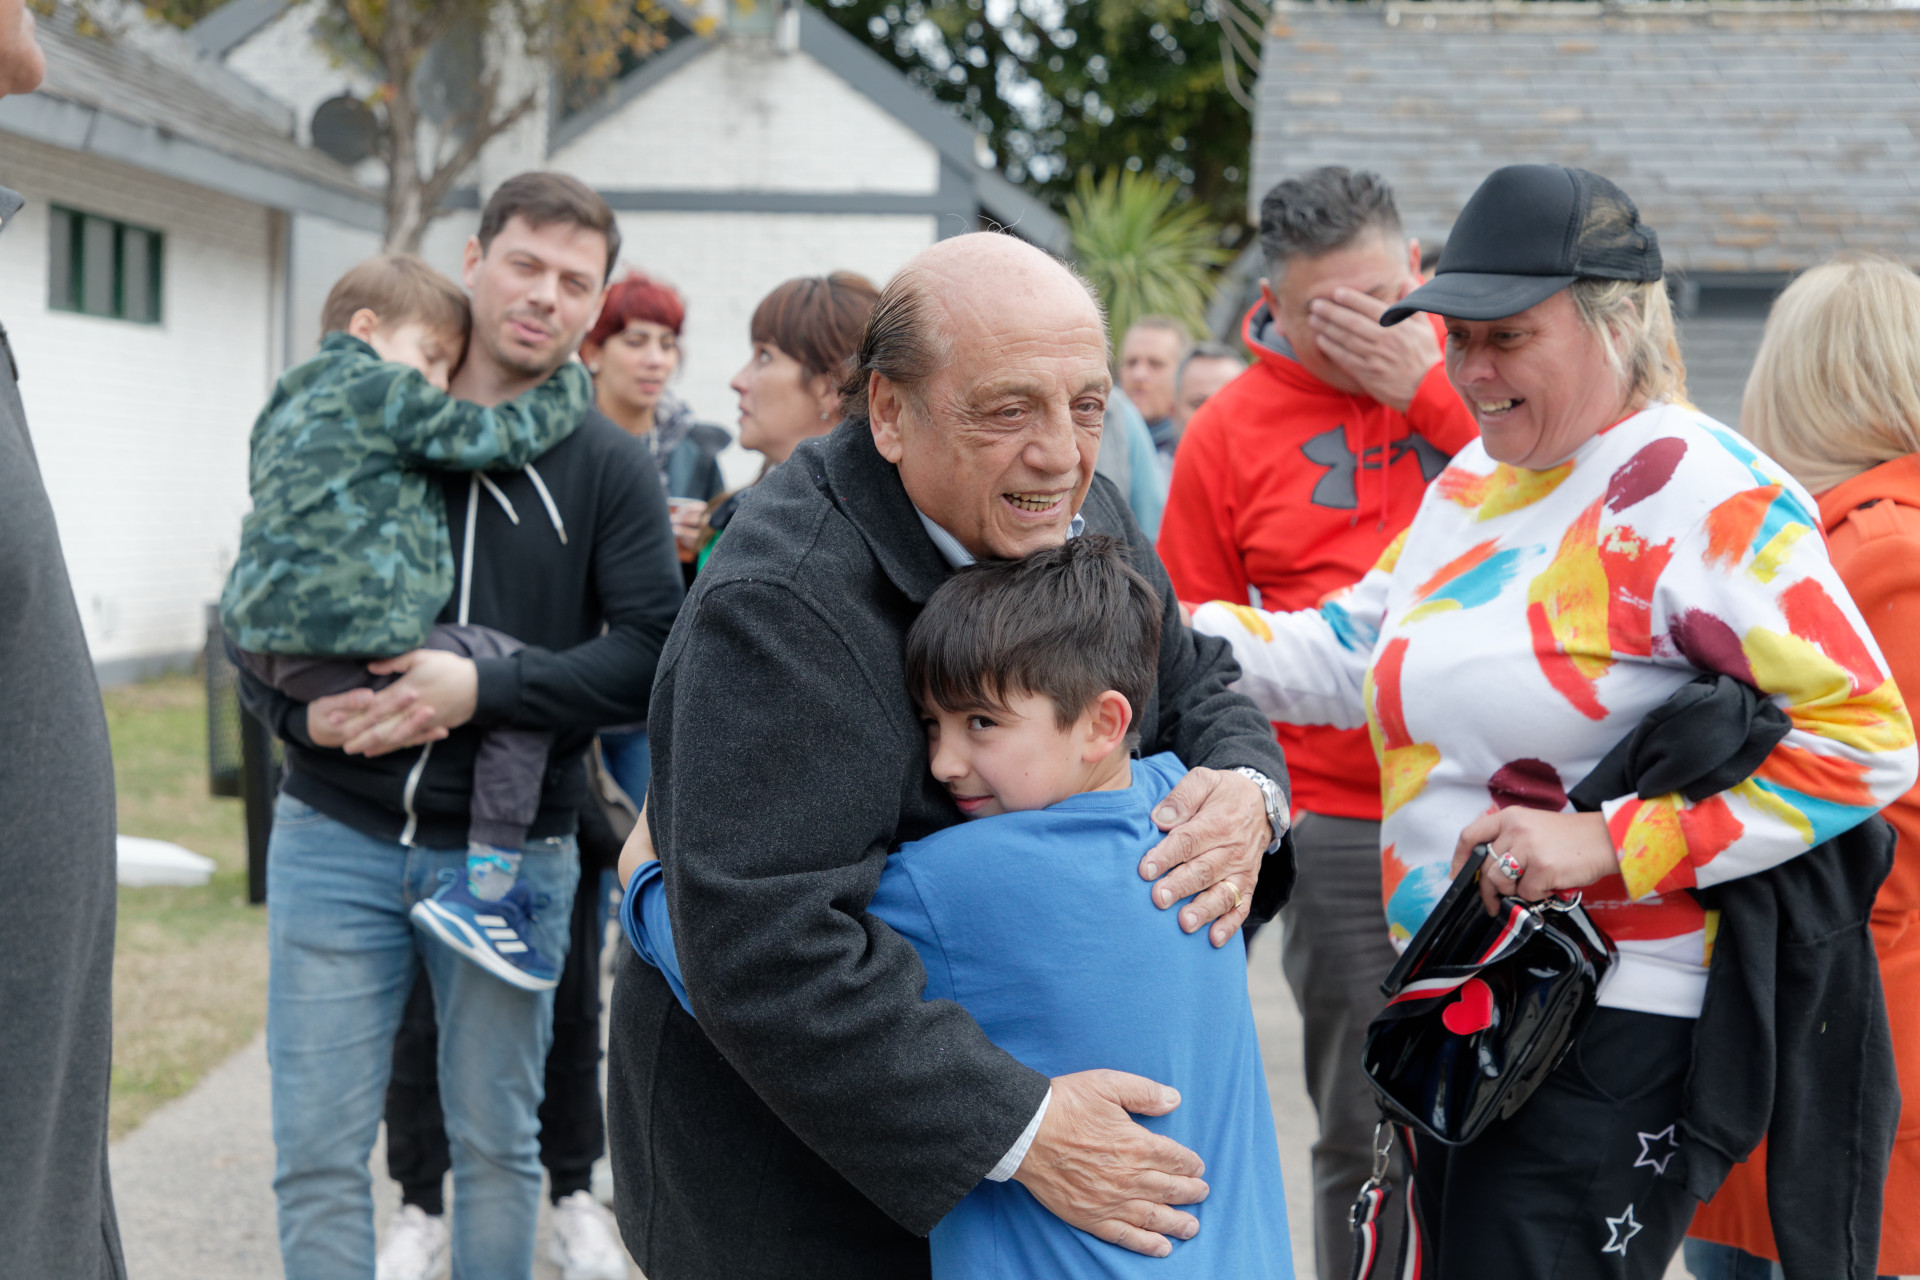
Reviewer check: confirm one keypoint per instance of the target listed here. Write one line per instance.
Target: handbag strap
(1371, 1204)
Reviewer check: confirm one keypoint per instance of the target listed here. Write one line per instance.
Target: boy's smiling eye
(980, 722)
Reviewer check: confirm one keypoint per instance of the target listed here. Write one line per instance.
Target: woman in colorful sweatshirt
(1601, 546)
(1835, 397)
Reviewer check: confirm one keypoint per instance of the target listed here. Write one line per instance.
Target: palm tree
(1146, 251)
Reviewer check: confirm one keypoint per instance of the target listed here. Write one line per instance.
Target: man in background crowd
(575, 557)
(1291, 482)
(1150, 354)
(56, 853)
(1207, 368)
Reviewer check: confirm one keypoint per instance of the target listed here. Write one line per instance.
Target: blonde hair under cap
(1835, 389)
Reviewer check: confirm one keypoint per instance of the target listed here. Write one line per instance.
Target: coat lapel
(867, 490)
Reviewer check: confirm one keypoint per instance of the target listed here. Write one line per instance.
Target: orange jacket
(1279, 485)
(1873, 534)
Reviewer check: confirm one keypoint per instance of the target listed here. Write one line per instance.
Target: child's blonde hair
(400, 289)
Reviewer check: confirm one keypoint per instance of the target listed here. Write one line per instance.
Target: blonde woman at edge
(1834, 397)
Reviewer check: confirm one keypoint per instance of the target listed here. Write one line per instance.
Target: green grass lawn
(190, 965)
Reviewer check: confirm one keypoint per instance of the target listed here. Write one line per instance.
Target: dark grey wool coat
(57, 862)
(821, 1117)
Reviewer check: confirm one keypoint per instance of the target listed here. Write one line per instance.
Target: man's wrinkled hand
(1094, 1168)
(1389, 364)
(435, 694)
(1217, 837)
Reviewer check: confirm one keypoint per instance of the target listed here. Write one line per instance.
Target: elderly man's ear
(885, 404)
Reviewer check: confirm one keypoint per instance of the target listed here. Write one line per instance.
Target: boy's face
(1018, 757)
(434, 352)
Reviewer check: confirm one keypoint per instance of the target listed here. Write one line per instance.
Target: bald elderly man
(821, 1117)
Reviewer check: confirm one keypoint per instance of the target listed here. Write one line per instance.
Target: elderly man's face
(998, 446)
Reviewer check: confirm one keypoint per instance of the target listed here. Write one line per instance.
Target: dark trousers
(511, 763)
(1334, 952)
(1569, 1186)
(572, 1131)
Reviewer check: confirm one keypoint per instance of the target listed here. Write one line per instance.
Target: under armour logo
(1338, 488)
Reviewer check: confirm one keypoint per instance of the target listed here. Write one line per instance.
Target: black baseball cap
(1529, 232)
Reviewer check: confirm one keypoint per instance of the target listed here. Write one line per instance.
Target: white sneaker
(416, 1247)
(586, 1246)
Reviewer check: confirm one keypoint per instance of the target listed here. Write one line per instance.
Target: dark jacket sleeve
(773, 837)
(636, 578)
(284, 717)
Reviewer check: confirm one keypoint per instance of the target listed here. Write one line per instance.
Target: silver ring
(1509, 866)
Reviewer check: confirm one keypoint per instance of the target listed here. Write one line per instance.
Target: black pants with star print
(1568, 1187)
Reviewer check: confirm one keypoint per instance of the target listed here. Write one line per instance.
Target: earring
(823, 415)
(594, 369)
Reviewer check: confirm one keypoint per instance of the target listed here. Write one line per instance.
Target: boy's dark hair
(543, 198)
(400, 289)
(1323, 210)
(1067, 623)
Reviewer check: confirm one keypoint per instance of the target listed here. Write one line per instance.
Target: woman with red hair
(633, 350)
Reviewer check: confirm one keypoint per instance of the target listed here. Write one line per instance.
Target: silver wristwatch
(1277, 815)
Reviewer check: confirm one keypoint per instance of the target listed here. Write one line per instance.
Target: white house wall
(723, 264)
(321, 253)
(745, 118)
(285, 60)
(141, 430)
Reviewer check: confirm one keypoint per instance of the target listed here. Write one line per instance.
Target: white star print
(1619, 1231)
(1648, 1141)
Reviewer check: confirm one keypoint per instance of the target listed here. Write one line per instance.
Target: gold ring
(1238, 897)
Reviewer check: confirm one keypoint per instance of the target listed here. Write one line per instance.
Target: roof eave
(71, 126)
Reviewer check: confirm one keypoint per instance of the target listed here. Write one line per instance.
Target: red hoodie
(1278, 485)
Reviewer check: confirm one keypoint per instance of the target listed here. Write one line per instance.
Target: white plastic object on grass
(147, 862)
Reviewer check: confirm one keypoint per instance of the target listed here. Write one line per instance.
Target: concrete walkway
(194, 1183)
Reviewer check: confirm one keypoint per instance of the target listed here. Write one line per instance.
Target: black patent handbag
(1481, 1009)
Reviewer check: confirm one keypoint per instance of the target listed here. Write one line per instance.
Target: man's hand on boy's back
(435, 694)
(1095, 1168)
(1217, 838)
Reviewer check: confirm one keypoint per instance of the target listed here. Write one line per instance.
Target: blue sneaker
(497, 936)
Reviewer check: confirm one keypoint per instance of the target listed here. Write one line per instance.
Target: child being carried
(345, 559)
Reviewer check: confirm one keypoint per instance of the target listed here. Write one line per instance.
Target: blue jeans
(1708, 1261)
(629, 761)
(341, 953)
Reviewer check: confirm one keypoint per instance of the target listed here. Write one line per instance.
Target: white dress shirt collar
(958, 556)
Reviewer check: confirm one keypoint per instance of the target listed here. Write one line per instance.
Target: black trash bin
(243, 759)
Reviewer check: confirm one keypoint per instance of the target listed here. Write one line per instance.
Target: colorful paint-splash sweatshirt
(1527, 620)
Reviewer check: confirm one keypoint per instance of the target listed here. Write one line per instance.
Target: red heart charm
(1472, 1012)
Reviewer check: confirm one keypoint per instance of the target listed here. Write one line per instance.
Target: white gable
(743, 117)
(285, 59)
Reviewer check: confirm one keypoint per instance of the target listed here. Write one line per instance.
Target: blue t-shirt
(1039, 925)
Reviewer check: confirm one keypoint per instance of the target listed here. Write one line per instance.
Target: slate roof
(1755, 137)
(150, 97)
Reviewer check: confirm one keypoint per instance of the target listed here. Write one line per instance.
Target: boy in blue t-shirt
(1027, 674)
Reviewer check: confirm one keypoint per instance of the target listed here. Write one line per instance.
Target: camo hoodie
(346, 549)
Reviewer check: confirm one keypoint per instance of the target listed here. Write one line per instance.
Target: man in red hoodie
(1289, 484)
